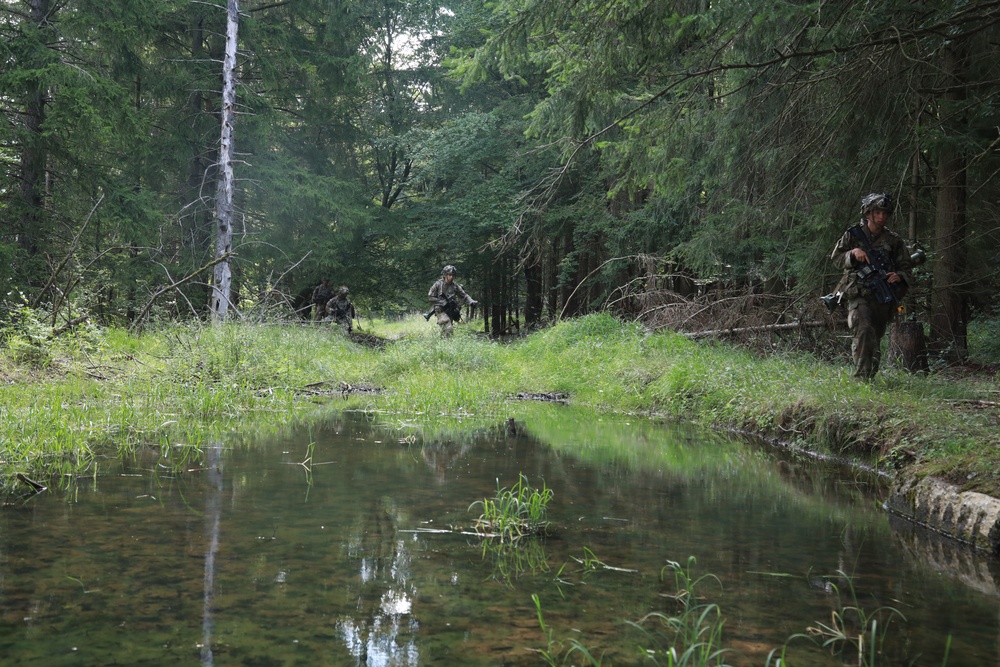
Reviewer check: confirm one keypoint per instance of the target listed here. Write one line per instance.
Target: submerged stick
(37, 487)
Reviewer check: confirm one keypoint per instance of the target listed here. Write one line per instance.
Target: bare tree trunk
(948, 316)
(911, 227)
(222, 284)
(569, 304)
(551, 293)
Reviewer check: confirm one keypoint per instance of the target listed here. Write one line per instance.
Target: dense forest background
(566, 155)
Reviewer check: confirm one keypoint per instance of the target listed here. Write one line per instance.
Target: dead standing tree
(222, 283)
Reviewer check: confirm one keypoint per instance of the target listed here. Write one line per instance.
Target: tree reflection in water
(382, 631)
(213, 512)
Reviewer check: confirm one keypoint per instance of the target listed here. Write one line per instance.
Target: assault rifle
(873, 274)
(452, 309)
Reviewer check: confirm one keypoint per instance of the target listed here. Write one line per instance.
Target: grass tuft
(513, 513)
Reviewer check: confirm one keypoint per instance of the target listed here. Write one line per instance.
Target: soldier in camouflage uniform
(321, 294)
(444, 296)
(867, 317)
(341, 309)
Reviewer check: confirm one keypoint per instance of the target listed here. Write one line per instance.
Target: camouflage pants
(319, 311)
(344, 322)
(447, 326)
(868, 320)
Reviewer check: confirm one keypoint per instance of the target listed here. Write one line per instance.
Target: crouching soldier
(342, 310)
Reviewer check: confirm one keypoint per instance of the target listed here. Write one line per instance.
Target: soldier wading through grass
(341, 309)
(444, 296)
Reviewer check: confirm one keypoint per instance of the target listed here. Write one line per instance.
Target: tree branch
(140, 318)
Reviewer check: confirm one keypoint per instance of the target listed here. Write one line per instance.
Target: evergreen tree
(746, 138)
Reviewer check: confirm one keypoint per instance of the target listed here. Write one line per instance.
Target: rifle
(452, 309)
(873, 274)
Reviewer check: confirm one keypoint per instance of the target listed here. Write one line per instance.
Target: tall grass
(112, 390)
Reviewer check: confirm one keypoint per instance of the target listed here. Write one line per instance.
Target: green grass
(692, 635)
(513, 513)
(64, 403)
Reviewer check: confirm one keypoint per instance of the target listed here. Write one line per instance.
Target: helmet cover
(877, 200)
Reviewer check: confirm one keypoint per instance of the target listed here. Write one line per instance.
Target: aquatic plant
(854, 633)
(515, 512)
(692, 637)
(552, 654)
(590, 563)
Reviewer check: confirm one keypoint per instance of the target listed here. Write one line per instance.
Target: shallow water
(344, 544)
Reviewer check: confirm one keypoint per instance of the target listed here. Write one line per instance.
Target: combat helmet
(449, 269)
(877, 200)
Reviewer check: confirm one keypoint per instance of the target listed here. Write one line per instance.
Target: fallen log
(69, 325)
(763, 327)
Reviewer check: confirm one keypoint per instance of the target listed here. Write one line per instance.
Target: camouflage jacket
(889, 243)
(441, 291)
(340, 308)
(322, 294)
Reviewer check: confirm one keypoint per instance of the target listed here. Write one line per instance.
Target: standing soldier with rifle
(444, 295)
(875, 261)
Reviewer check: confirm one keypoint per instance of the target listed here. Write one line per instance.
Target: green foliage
(738, 142)
(596, 329)
(984, 339)
(514, 513)
(23, 336)
(692, 637)
(514, 139)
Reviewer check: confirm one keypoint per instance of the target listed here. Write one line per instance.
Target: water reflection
(441, 457)
(380, 631)
(213, 516)
(347, 544)
(509, 561)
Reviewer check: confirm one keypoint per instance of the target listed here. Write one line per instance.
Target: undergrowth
(66, 399)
